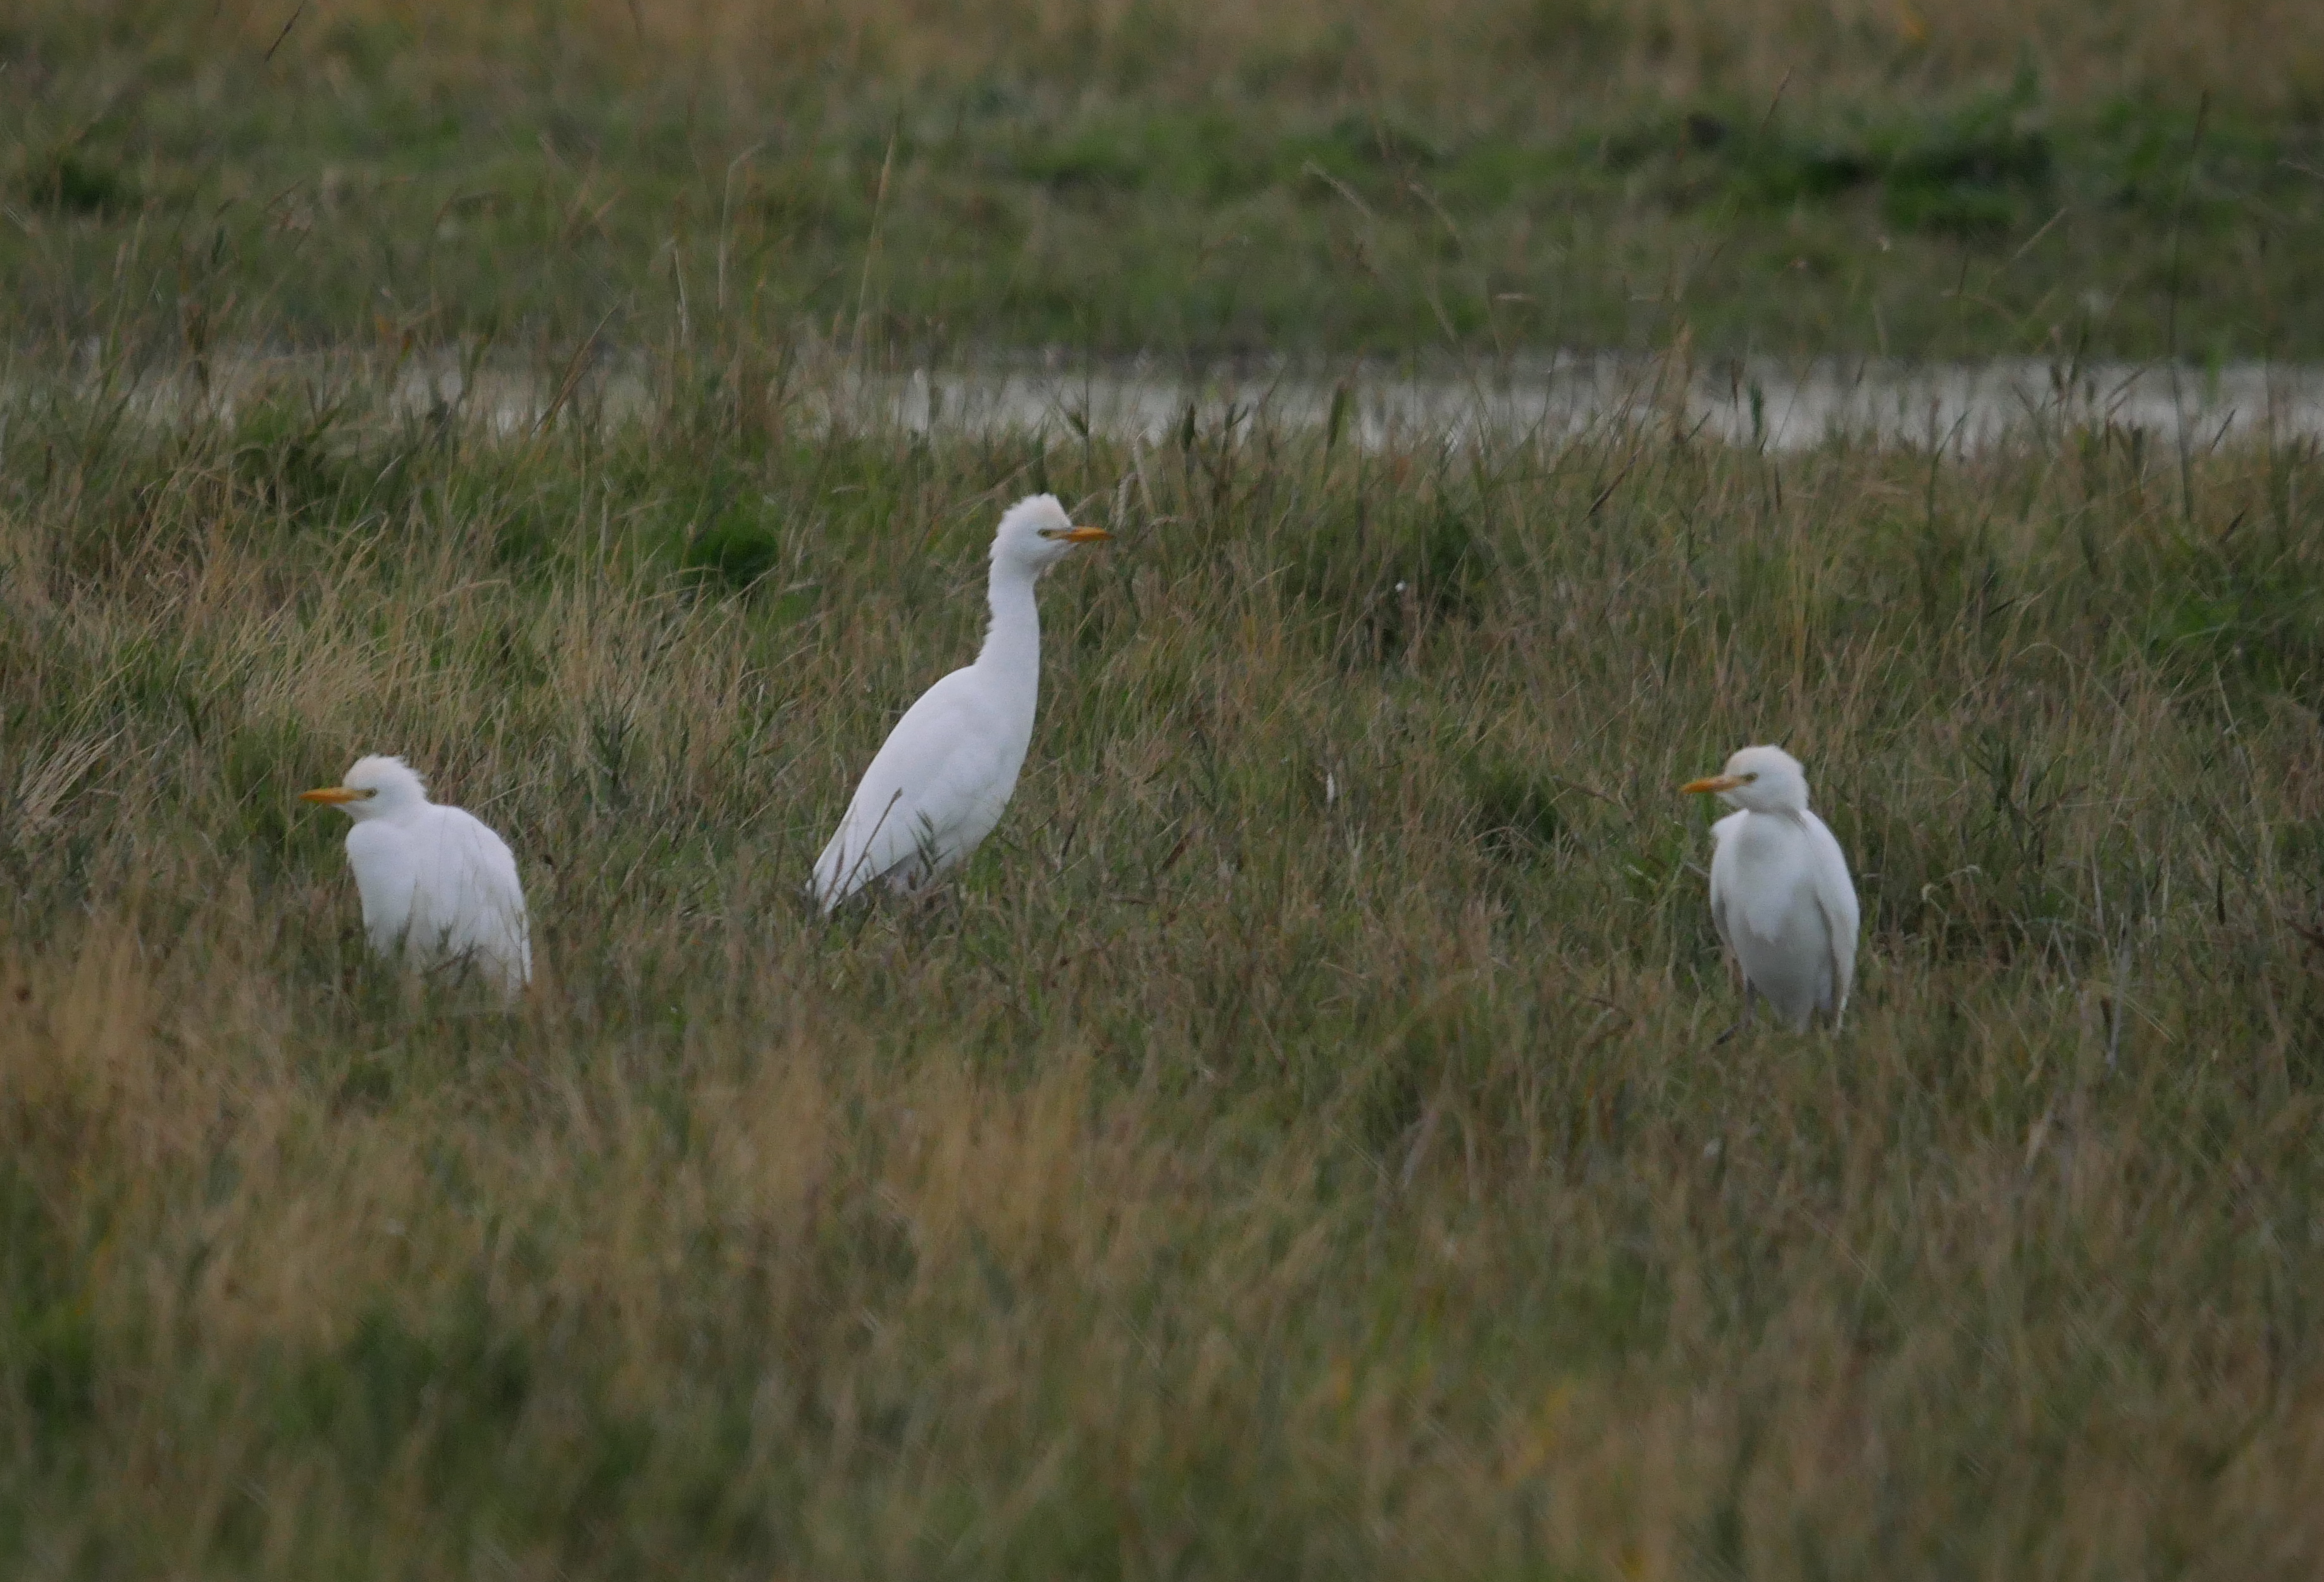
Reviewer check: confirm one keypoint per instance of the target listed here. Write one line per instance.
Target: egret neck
(1011, 659)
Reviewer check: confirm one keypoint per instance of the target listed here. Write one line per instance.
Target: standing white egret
(1780, 894)
(437, 883)
(939, 784)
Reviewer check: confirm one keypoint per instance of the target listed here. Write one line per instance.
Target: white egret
(438, 885)
(939, 784)
(1780, 894)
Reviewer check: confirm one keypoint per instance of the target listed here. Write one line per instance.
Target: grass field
(1297, 1145)
(1187, 177)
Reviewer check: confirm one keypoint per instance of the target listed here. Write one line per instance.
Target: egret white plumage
(1780, 893)
(438, 885)
(939, 784)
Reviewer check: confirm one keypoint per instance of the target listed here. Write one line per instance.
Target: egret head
(376, 788)
(1036, 533)
(1761, 780)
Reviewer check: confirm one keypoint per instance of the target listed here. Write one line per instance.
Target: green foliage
(2245, 603)
(1977, 169)
(77, 181)
(1380, 571)
(736, 549)
(1517, 816)
(459, 1389)
(283, 462)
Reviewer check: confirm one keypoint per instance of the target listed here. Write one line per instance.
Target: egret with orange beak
(947, 771)
(1781, 897)
(438, 887)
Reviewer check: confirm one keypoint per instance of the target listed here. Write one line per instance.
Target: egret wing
(1835, 896)
(470, 904)
(935, 770)
(1722, 876)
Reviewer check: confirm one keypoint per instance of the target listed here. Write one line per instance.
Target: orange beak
(1082, 535)
(336, 795)
(1711, 786)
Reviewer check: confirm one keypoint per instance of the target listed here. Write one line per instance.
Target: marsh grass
(1298, 1144)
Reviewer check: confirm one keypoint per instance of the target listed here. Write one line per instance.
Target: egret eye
(1750, 777)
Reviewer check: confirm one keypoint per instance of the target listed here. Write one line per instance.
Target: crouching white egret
(939, 784)
(1780, 894)
(438, 885)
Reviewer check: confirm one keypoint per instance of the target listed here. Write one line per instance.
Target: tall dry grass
(1298, 1145)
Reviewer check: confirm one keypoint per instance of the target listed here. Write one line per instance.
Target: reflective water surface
(1780, 406)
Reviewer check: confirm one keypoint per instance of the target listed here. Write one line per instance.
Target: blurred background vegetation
(1183, 177)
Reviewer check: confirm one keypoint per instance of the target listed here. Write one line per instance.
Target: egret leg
(1743, 1023)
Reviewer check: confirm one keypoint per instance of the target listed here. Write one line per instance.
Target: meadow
(1187, 178)
(1302, 1141)
(1298, 1144)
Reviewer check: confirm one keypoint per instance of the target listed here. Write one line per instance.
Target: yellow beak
(334, 795)
(1715, 783)
(1082, 535)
